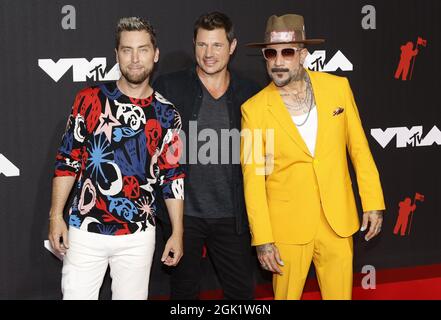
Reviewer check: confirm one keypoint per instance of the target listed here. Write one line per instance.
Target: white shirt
(308, 131)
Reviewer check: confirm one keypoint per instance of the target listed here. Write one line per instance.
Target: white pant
(85, 264)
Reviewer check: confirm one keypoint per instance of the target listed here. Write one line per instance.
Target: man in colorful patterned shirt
(121, 139)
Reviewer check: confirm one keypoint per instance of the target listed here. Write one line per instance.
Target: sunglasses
(287, 53)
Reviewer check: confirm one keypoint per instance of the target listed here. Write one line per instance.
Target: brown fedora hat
(289, 28)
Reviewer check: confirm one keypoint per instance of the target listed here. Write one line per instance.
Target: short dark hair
(215, 20)
(134, 24)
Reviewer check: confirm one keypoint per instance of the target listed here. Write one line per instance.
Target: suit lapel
(322, 117)
(277, 108)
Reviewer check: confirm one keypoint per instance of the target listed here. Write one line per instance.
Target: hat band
(284, 36)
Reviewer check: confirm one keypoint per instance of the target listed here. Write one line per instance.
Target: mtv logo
(316, 62)
(405, 137)
(8, 168)
(82, 69)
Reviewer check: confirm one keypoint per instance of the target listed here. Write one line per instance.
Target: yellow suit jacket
(285, 186)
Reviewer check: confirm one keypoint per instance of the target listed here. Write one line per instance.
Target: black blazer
(183, 89)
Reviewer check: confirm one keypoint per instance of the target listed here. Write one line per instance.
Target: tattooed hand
(375, 217)
(269, 257)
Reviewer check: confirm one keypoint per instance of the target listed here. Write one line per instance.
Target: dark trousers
(229, 252)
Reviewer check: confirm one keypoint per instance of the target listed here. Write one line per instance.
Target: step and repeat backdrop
(389, 50)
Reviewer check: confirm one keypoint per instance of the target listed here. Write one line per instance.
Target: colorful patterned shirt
(118, 147)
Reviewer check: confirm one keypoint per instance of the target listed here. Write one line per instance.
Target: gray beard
(297, 76)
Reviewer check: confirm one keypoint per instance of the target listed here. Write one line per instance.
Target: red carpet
(415, 283)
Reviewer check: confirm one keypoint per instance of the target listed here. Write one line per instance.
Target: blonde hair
(134, 24)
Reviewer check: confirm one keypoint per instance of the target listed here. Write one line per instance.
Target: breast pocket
(336, 126)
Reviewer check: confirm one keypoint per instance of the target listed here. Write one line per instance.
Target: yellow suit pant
(332, 256)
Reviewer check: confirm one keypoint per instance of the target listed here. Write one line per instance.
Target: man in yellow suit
(298, 190)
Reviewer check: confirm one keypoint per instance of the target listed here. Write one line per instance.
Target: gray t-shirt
(208, 190)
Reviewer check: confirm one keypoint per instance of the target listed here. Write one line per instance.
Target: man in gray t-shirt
(210, 196)
(208, 98)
